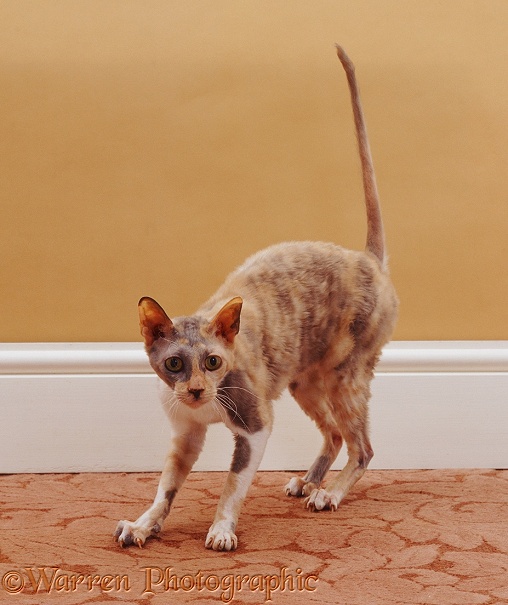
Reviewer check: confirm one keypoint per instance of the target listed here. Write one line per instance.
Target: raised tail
(375, 232)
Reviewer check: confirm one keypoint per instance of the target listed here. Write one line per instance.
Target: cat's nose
(196, 393)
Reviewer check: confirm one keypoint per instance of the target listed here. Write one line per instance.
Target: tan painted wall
(147, 147)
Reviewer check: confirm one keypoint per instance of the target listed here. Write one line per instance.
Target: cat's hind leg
(349, 392)
(311, 396)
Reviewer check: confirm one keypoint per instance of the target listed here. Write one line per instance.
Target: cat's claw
(128, 533)
(219, 538)
(320, 499)
(298, 487)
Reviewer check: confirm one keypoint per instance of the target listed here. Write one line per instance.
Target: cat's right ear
(153, 321)
(226, 324)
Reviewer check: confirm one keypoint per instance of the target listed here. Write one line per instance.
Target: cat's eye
(174, 364)
(213, 362)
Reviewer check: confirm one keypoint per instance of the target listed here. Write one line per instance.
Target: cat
(308, 316)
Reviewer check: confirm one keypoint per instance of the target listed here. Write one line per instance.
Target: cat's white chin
(196, 404)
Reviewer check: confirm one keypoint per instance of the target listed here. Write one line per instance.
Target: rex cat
(310, 316)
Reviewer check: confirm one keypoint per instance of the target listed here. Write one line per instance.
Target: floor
(401, 537)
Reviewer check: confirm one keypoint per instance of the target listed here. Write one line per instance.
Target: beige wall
(147, 147)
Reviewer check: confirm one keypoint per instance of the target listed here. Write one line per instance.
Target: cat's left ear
(226, 324)
(153, 321)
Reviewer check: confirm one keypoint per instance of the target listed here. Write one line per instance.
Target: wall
(94, 407)
(147, 147)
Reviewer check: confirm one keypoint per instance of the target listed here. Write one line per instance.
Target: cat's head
(190, 354)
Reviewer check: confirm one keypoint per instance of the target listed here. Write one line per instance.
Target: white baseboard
(94, 407)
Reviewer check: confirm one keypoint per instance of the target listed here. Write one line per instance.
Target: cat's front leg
(149, 523)
(186, 444)
(249, 449)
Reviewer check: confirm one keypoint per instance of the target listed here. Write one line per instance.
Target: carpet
(401, 537)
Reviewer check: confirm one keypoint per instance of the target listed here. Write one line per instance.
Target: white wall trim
(70, 407)
(130, 358)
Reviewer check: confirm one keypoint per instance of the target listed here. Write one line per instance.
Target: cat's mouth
(195, 400)
(195, 405)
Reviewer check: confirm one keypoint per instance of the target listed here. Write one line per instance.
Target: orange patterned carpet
(401, 537)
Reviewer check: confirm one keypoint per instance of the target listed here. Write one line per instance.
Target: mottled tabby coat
(310, 316)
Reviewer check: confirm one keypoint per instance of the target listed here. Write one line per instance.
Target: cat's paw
(128, 532)
(320, 499)
(221, 538)
(298, 487)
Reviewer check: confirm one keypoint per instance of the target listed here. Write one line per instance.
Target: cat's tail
(375, 231)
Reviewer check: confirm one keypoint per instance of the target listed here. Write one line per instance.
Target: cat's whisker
(222, 413)
(172, 407)
(228, 403)
(242, 389)
(231, 404)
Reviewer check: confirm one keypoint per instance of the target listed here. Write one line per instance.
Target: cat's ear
(226, 324)
(153, 321)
